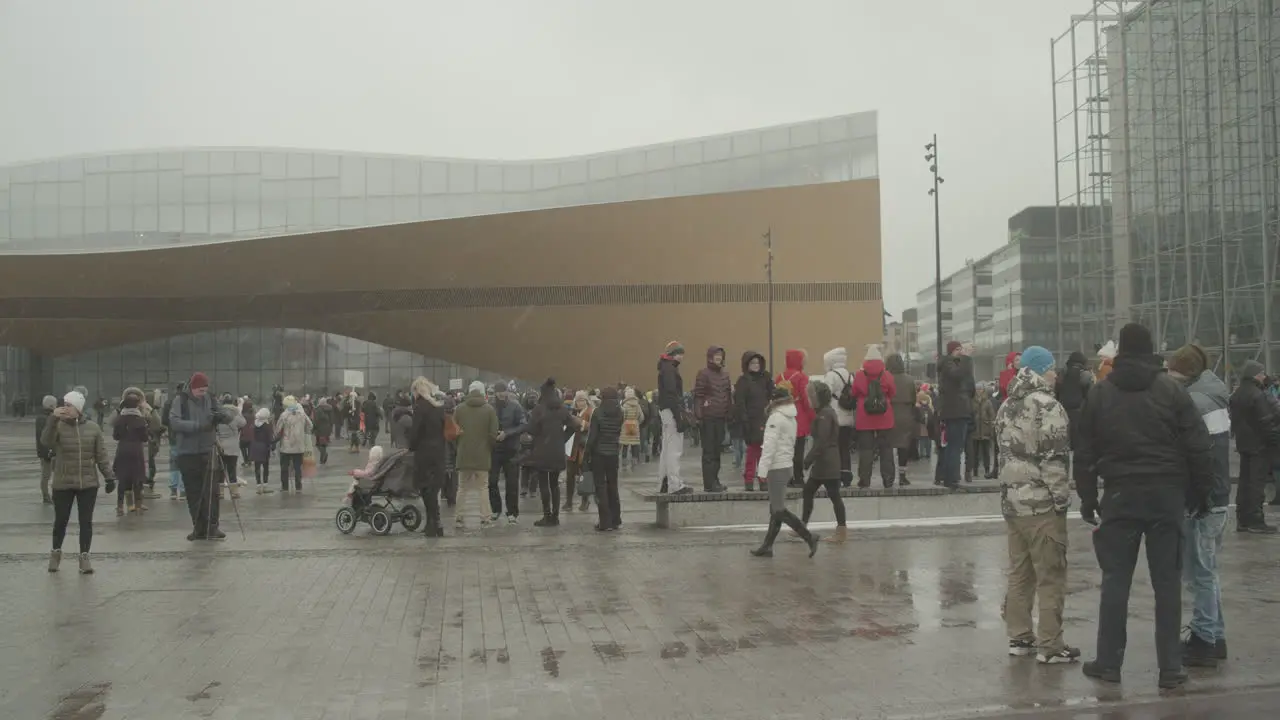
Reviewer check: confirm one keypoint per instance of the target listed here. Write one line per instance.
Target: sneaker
(547, 521)
(85, 567)
(513, 520)
(55, 559)
(150, 494)
(495, 517)
(120, 511)
(266, 490)
(1065, 655)
(216, 534)
(1220, 650)
(686, 490)
(1022, 648)
(1197, 652)
(1172, 679)
(1095, 671)
(763, 552)
(173, 494)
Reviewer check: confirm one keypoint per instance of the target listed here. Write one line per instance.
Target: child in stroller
(374, 492)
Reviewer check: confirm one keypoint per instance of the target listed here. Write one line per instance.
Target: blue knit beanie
(1037, 359)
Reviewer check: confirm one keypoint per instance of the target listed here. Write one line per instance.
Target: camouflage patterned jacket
(1031, 431)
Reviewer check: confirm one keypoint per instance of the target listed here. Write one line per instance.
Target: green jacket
(80, 453)
(479, 424)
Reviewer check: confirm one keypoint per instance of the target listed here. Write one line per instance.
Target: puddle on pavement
(610, 651)
(551, 661)
(85, 703)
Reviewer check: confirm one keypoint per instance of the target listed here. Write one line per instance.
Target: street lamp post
(768, 270)
(932, 158)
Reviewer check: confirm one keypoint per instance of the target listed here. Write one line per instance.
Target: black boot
(794, 523)
(1197, 652)
(775, 526)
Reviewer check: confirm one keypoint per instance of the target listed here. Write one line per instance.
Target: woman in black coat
(550, 426)
(427, 443)
(751, 403)
(131, 434)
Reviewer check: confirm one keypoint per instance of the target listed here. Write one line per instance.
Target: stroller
(374, 499)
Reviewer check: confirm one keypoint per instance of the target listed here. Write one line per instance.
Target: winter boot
(1198, 653)
(55, 559)
(775, 526)
(902, 478)
(586, 503)
(85, 567)
(842, 534)
(794, 523)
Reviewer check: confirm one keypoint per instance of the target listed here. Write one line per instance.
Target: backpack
(845, 399)
(876, 402)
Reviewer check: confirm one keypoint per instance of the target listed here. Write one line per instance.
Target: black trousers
(1255, 473)
(873, 443)
(504, 466)
(605, 470)
(370, 435)
(1130, 514)
(262, 472)
(429, 478)
(713, 431)
(797, 467)
(549, 490)
(290, 460)
(84, 500)
(244, 452)
(833, 494)
(777, 520)
(322, 453)
(229, 466)
(977, 454)
(202, 497)
(845, 442)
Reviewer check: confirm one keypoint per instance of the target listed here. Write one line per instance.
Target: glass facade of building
(139, 200)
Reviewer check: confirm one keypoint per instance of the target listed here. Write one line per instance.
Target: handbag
(587, 483)
(309, 467)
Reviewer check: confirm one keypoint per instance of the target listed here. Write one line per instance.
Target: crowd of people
(1144, 440)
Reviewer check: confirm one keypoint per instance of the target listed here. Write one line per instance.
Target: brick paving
(298, 621)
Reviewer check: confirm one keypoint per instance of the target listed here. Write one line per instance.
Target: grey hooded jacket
(1211, 397)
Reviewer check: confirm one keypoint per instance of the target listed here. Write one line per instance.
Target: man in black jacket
(955, 411)
(1071, 389)
(1140, 431)
(670, 403)
(512, 422)
(1257, 429)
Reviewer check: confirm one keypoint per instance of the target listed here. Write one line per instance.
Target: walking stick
(215, 456)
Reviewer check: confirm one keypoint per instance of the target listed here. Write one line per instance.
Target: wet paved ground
(297, 621)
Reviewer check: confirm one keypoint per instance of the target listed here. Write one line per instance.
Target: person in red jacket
(793, 376)
(1012, 362)
(873, 389)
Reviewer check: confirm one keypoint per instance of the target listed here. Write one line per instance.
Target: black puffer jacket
(550, 425)
(670, 386)
(1140, 427)
(955, 389)
(1254, 420)
(606, 428)
(426, 438)
(751, 398)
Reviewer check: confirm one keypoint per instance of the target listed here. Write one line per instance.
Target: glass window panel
(294, 350)
(144, 187)
(746, 171)
(146, 218)
(774, 139)
(70, 222)
(325, 213)
(120, 163)
(23, 195)
(435, 177)
(248, 348)
(717, 149)
(293, 381)
(489, 178)
(95, 191)
(275, 189)
(180, 351)
(195, 189)
(352, 176)
(381, 176)
(573, 171)
(195, 163)
(299, 189)
(275, 165)
(401, 358)
(157, 355)
(274, 216)
(379, 355)
(335, 350)
(604, 191)
(46, 222)
(169, 185)
(380, 211)
(120, 217)
(745, 144)
(462, 177)
(222, 188)
(248, 162)
(437, 206)
(406, 209)
(70, 169)
(95, 219)
(299, 213)
(133, 359)
(249, 382)
(109, 359)
(221, 162)
(351, 212)
(326, 166)
(4, 178)
(222, 218)
(47, 194)
(688, 153)
(546, 175)
(70, 195)
(196, 219)
(400, 378)
(379, 380)
(47, 172)
(300, 165)
(660, 184)
(167, 161)
(326, 188)
(247, 217)
(407, 177)
(145, 161)
(603, 167)
(120, 189)
(4, 221)
(271, 338)
(170, 218)
(659, 158)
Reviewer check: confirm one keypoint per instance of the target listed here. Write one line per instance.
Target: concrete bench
(738, 507)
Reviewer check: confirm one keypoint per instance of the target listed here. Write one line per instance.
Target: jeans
(175, 472)
(1130, 515)
(202, 496)
(672, 449)
(609, 505)
(84, 501)
(1203, 544)
(288, 460)
(739, 452)
(957, 433)
(924, 447)
(504, 466)
(713, 430)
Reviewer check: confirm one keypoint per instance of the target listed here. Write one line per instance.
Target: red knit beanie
(198, 380)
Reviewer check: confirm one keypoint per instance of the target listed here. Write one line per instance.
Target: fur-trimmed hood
(425, 389)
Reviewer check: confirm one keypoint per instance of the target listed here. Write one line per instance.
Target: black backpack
(845, 399)
(876, 402)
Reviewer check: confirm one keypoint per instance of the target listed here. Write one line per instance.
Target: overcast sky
(536, 78)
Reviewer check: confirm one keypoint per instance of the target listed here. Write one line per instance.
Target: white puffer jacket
(836, 361)
(779, 449)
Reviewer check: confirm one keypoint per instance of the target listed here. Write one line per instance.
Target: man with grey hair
(44, 452)
(1257, 430)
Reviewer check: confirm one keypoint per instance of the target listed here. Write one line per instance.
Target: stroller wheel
(411, 517)
(380, 522)
(345, 520)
